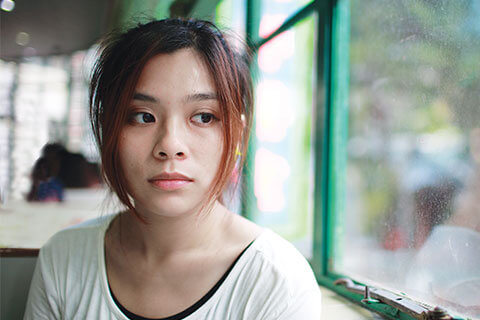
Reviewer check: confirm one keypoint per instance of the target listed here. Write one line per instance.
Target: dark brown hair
(118, 68)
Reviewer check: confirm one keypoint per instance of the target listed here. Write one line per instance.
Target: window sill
(335, 306)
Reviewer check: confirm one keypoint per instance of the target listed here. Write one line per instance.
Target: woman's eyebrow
(144, 97)
(200, 97)
(189, 98)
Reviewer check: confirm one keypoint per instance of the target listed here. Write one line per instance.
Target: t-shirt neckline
(191, 309)
(106, 288)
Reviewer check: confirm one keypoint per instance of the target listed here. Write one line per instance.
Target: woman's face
(171, 146)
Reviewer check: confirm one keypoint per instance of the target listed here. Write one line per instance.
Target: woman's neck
(165, 237)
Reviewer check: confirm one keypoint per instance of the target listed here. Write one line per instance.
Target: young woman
(171, 107)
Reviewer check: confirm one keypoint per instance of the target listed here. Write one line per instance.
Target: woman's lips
(170, 181)
(170, 184)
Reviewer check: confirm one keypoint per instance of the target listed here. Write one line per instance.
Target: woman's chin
(171, 208)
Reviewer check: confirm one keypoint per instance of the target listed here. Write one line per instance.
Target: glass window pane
(282, 159)
(412, 218)
(281, 169)
(230, 16)
(275, 12)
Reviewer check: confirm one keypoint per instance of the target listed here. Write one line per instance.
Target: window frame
(330, 137)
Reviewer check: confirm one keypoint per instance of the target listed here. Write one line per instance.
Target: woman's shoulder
(77, 237)
(281, 260)
(277, 251)
(269, 250)
(276, 279)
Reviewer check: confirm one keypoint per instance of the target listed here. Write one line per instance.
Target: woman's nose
(170, 143)
(165, 156)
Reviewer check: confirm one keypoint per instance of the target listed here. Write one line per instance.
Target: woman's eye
(143, 117)
(204, 118)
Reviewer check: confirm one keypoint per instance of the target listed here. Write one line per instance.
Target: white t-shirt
(270, 280)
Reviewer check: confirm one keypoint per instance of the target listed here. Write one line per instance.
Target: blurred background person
(56, 169)
(45, 187)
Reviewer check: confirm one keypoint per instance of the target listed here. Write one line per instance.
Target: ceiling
(51, 27)
(46, 27)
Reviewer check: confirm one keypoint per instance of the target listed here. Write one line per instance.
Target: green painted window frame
(330, 132)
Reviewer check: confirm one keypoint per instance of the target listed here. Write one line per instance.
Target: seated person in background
(44, 186)
(76, 172)
(171, 103)
(56, 169)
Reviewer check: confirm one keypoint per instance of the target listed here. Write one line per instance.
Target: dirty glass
(412, 204)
